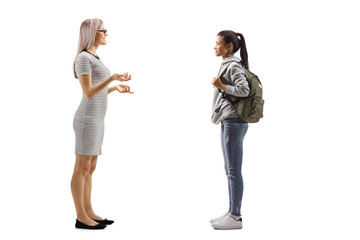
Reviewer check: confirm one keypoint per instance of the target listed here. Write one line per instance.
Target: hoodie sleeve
(240, 87)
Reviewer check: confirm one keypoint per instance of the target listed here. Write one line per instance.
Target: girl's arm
(241, 86)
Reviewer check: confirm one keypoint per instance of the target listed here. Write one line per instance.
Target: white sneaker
(218, 218)
(228, 222)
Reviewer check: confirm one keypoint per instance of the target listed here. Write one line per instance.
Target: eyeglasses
(103, 31)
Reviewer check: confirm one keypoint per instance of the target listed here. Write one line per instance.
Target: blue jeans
(233, 131)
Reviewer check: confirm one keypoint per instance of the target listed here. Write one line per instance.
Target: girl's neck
(227, 55)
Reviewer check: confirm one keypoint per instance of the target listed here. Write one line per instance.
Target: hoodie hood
(230, 59)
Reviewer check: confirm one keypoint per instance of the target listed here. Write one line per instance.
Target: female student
(88, 122)
(231, 82)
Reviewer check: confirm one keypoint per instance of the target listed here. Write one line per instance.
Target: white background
(161, 174)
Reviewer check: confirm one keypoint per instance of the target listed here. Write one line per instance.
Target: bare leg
(81, 169)
(87, 191)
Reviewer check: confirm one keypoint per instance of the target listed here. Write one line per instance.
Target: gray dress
(89, 118)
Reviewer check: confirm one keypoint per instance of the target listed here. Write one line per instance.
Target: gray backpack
(250, 108)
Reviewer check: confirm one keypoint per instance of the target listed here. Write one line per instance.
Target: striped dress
(89, 118)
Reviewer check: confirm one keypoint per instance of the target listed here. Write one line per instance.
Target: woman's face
(101, 36)
(220, 49)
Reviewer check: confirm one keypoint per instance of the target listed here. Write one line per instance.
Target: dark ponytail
(243, 51)
(238, 43)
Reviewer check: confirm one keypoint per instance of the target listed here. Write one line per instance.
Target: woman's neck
(93, 49)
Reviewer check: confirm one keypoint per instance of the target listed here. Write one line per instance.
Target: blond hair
(88, 30)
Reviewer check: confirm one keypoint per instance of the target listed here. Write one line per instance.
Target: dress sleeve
(240, 86)
(82, 65)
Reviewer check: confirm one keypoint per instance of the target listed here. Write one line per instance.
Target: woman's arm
(83, 69)
(111, 89)
(120, 88)
(91, 90)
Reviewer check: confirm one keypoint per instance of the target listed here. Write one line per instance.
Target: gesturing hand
(121, 77)
(123, 88)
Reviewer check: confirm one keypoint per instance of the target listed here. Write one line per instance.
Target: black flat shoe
(79, 224)
(106, 222)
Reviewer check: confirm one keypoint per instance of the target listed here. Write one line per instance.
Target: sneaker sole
(230, 228)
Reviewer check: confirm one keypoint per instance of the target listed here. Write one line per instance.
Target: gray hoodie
(237, 86)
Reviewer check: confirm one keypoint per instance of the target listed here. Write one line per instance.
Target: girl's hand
(217, 83)
(123, 88)
(121, 77)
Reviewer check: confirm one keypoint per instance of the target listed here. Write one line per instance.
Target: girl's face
(222, 50)
(101, 35)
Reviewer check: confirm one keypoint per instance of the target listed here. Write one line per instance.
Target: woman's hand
(123, 88)
(217, 83)
(121, 77)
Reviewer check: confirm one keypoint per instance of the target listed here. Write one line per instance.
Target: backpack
(250, 108)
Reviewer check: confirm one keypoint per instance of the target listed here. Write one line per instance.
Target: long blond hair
(88, 30)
